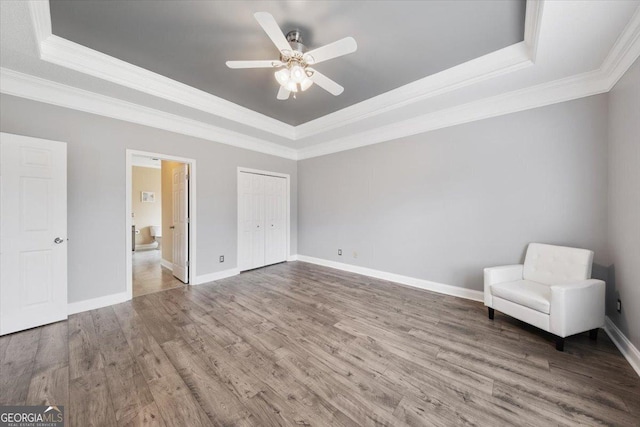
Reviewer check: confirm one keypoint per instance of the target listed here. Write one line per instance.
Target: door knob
(58, 240)
(172, 227)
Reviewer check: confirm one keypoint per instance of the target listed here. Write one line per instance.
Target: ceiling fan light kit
(295, 75)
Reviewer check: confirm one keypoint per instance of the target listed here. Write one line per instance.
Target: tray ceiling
(189, 41)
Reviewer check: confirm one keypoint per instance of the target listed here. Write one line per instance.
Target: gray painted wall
(624, 204)
(96, 189)
(442, 205)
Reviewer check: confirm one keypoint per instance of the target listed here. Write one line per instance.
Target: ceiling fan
(295, 73)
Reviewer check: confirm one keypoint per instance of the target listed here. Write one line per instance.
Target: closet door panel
(275, 216)
(257, 218)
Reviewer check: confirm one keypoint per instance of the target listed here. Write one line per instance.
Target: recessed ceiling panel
(190, 41)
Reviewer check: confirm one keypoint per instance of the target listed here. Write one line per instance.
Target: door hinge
(188, 220)
(188, 263)
(188, 177)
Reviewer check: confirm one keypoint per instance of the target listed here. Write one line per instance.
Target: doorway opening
(160, 222)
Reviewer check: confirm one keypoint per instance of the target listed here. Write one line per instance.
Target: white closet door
(33, 232)
(251, 221)
(275, 216)
(257, 217)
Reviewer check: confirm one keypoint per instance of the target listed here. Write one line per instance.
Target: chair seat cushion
(533, 295)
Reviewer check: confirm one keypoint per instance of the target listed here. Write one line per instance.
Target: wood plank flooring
(149, 275)
(298, 344)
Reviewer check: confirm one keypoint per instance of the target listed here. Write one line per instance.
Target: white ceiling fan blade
(326, 83)
(283, 93)
(332, 50)
(254, 64)
(270, 26)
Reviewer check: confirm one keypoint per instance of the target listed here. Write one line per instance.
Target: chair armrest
(577, 307)
(493, 275)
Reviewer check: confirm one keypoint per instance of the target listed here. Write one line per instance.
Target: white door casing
(180, 190)
(33, 232)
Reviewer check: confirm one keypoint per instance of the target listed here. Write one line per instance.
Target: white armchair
(552, 290)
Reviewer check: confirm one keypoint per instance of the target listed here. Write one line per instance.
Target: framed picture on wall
(148, 196)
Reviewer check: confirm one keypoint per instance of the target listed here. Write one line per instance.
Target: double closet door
(262, 204)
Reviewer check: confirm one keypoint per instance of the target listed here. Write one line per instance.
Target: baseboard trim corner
(166, 264)
(94, 303)
(440, 288)
(293, 258)
(626, 347)
(219, 275)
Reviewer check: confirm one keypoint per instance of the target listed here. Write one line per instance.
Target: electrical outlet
(339, 252)
(221, 258)
(355, 254)
(619, 306)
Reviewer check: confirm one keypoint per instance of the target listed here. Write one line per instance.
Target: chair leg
(593, 334)
(491, 313)
(559, 344)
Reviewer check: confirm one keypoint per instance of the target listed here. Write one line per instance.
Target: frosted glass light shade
(306, 83)
(291, 86)
(297, 74)
(282, 76)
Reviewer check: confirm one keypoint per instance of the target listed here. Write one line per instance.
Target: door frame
(129, 221)
(288, 215)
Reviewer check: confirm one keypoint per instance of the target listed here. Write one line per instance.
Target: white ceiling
(570, 49)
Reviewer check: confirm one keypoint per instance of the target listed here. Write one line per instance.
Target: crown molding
(622, 55)
(68, 54)
(41, 18)
(503, 61)
(562, 90)
(532, 24)
(624, 52)
(41, 90)
(71, 55)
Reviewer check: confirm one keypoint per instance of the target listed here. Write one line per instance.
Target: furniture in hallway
(552, 290)
(299, 344)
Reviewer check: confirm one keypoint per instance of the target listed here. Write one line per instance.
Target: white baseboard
(212, 277)
(404, 280)
(92, 304)
(292, 258)
(626, 347)
(166, 264)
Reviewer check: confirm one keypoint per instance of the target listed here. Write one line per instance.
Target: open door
(33, 232)
(180, 189)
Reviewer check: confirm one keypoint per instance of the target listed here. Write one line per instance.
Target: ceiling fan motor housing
(294, 38)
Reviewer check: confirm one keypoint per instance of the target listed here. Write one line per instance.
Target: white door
(251, 221)
(275, 217)
(245, 222)
(180, 189)
(33, 232)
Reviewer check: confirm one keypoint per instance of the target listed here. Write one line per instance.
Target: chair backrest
(554, 265)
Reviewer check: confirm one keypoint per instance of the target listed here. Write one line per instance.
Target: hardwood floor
(149, 275)
(298, 344)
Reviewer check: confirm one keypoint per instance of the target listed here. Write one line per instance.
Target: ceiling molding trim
(41, 90)
(503, 61)
(71, 55)
(41, 18)
(625, 51)
(507, 60)
(566, 89)
(68, 54)
(532, 24)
